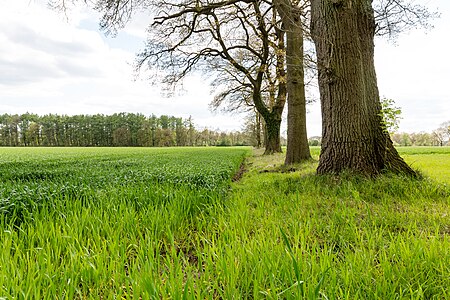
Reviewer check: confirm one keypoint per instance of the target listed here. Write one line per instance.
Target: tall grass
(272, 236)
(93, 223)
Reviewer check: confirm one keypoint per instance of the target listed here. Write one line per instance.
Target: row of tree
(255, 52)
(439, 137)
(123, 129)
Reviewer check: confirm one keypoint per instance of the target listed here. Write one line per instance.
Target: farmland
(433, 162)
(95, 223)
(85, 222)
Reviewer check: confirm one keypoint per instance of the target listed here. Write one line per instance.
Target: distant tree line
(415, 139)
(438, 137)
(120, 129)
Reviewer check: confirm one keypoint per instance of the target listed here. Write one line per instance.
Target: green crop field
(87, 222)
(169, 223)
(433, 162)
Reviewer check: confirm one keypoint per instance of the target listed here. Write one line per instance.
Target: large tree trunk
(297, 139)
(353, 137)
(273, 126)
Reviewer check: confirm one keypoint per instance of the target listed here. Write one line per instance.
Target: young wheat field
(170, 223)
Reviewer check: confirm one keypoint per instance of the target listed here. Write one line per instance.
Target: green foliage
(391, 115)
(120, 130)
(314, 141)
(127, 223)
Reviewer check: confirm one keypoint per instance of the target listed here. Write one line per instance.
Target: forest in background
(138, 130)
(119, 130)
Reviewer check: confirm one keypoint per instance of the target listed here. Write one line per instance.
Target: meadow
(170, 223)
(432, 162)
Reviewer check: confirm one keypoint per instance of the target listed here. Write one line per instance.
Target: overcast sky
(49, 64)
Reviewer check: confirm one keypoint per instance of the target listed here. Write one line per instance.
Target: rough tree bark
(353, 137)
(297, 139)
(272, 120)
(273, 126)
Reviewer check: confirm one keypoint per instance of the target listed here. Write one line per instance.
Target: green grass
(345, 237)
(163, 223)
(431, 161)
(92, 223)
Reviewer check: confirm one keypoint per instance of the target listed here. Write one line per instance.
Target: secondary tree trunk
(272, 120)
(272, 114)
(297, 139)
(353, 137)
(258, 129)
(273, 126)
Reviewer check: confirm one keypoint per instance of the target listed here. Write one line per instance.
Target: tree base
(363, 159)
(270, 151)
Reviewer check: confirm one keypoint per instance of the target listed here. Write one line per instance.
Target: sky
(56, 63)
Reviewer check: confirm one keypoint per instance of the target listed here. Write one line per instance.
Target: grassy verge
(297, 235)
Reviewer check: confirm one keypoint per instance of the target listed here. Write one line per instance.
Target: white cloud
(49, 64)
